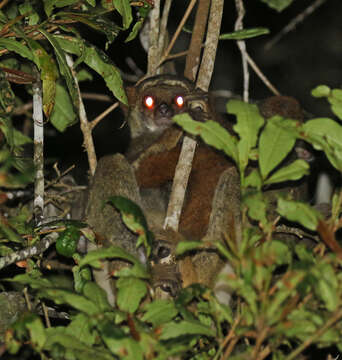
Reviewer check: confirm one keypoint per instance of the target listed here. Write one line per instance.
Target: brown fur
(158, 169)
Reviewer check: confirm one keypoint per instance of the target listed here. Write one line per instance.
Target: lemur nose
(165, 110)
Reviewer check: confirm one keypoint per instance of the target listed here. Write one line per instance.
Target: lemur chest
(157, 171)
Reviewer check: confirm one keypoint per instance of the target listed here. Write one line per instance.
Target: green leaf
(256, 206)
(325, 134)
(253, 180)
(7, 97)
(81, 275)
(211, 132)
(81, 327)
(159, 312)
(50, 4)
(34, 282)
(128, 207)
(294, 171)
(115, 252)
(278, 251)
(286, 287)
(49, 73)
(185, 328)
(185, 246)
(130, 293)
(244, 34)
(119, 344)
(17, 47)
(14, 137)
(304, 323)
(278, 5)
(125, 10)
(97, 295)
(334, 97)
(78, 349)
(132, 35)
(299, 212)
(326, 285)
(66, 243)
(97, 22)
(37, 331)
(27, 9)
(249, 122)
(63, 114)
(9, 233)
(79, 302)
(274, 144)
(98, 61)
(321, 91)
(328, 294)
(134, 219)
(63, 67)
(305, 255)
(336, 102)
(144, 8)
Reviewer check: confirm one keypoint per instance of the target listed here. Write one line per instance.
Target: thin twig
(294, 22)
(242, 47)
(84, 124)
(295, 231)
(97, 97)
(27, 299)
(262, 77)
(179, 29)
(230, 339)
(137, 72)
(26, 253)
(3, 3)
(103, 115)
(87, 96)
(46, 315)
(59, 174)
(38, 157)
(264, 353)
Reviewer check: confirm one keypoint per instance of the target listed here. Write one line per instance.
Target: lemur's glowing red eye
(149, 102)
(179, 101)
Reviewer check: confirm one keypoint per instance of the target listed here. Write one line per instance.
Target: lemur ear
(131, 97)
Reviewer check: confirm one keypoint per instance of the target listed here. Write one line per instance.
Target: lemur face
(157, 99)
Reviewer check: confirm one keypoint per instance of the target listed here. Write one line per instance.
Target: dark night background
(301, 60)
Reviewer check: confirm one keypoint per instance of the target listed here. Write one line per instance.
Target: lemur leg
(225, 221)
(113, 176)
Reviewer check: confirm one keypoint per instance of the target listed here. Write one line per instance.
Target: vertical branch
(163, 24)
(180, 182)
(154, 52)
(86, 127)
(209, 54)
(242, 47)
(184, 164)
(193, 58)
(38, 157)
